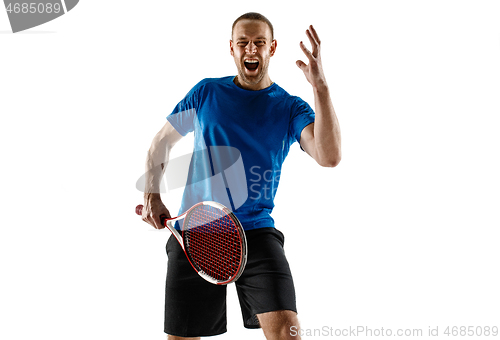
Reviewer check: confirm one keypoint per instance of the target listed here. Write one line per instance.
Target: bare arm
(156, 163)
(321, 140)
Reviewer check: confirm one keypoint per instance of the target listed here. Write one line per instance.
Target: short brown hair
(254, 16)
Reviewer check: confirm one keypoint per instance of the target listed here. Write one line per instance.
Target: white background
(404, 233)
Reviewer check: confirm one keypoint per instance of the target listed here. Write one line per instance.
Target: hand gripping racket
(212, 239)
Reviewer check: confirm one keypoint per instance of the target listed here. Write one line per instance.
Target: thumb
(300, 64)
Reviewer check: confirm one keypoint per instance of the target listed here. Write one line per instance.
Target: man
(258, 118)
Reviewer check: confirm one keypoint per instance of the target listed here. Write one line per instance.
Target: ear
(273, 47)
(231, 47)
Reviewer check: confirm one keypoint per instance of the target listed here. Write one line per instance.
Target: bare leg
(278, 325)
(173, 337)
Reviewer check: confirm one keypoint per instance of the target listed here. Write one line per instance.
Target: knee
(280, 325)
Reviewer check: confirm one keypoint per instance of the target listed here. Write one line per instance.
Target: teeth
(251, 61)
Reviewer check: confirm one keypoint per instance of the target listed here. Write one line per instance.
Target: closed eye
(257, 43)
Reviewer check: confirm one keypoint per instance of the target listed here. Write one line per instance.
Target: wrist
(321, 89)
(149, 196)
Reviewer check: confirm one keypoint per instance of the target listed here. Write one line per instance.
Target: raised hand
(314, 70)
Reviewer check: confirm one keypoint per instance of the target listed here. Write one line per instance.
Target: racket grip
(138, 211)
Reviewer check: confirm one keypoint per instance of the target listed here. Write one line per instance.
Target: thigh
(193, 306)
(266, 285)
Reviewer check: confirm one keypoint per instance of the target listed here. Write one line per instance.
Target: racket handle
(138, 211)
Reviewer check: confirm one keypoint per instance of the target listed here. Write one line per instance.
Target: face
(252, 48)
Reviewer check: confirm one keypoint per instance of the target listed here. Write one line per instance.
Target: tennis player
(254, 115)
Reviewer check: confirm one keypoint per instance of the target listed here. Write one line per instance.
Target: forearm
(156, 163)
(326, 129)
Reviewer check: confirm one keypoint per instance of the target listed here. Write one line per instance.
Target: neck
(264, 83)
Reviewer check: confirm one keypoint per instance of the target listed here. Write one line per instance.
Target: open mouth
(251, 65)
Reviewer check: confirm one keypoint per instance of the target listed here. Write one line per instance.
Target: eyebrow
(245, 38)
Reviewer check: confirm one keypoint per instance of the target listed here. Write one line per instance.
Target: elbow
(330, 162)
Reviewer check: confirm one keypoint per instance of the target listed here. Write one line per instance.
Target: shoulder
(299, 105)
(292, 101)
(281, 97)
(279, 92)
(204, 86)
(296, 100)
(213, 82)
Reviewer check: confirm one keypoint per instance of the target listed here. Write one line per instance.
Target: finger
(157, 223)
(315, 34)
(313, 42)
(149, 220)
(306, 51)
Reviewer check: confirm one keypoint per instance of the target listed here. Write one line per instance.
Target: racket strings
(213, 242)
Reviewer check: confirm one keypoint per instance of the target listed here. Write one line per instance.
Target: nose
(251, 48)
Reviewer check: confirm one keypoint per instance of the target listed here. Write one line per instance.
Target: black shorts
(195, 307)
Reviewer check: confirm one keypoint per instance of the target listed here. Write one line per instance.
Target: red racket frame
(170, 224)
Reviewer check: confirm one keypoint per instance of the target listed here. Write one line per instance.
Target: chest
(255, 122)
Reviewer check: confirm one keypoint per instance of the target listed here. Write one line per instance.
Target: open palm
(314, 70)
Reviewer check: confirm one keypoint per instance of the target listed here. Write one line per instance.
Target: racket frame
(170, 224)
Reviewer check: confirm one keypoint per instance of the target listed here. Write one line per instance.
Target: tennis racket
(212, 239)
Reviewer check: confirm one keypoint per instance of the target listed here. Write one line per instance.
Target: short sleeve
(301, 116)
(183, 116)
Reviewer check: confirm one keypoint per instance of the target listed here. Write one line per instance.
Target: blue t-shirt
(241, 139)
